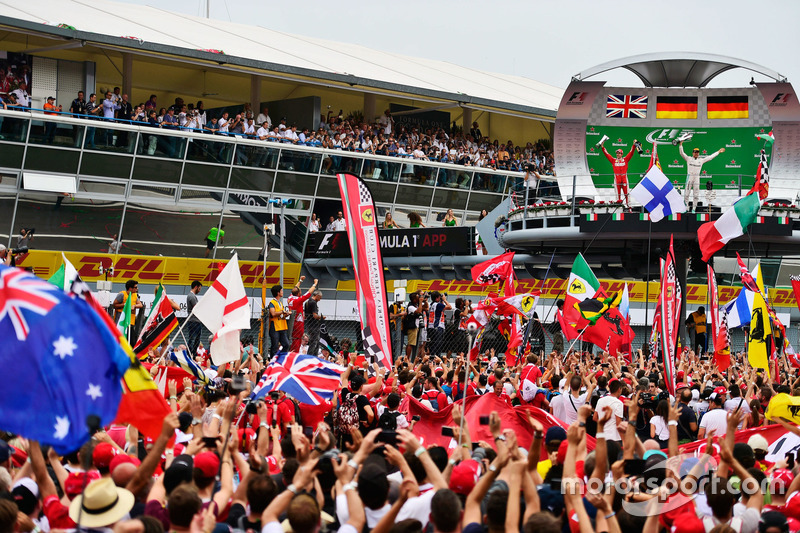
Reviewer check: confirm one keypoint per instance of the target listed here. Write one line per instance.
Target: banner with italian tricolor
(362, 232)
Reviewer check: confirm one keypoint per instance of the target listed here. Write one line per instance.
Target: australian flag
(67, 363)
(306, 378)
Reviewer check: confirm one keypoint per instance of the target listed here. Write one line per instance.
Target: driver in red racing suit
(620, 164)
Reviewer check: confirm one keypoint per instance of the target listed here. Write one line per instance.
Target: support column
(127, 75)
(255, 94)
(369, 108)
(466, 119)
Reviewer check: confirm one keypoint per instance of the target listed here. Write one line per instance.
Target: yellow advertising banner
(556, 288)
(152, 269)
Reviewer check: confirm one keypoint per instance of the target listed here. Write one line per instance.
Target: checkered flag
(371, 349)
(364, 196)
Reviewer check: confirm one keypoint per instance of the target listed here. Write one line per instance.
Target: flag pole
(579, 337)
(464, 392)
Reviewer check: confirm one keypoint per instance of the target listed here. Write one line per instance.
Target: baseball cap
(650, 453)
(6, 450)
(781, 479)
(207, 463)
(680, 385)
(715, 397)
(274, 467)
(464, 476)
(102, 455)
(180, 471)
(555, 433)
(561, 456)
(25, 493)
(123, 458)
(50, 98)
(758, 442)
(722, 391)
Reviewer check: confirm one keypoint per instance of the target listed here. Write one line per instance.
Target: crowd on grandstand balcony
(382, 136)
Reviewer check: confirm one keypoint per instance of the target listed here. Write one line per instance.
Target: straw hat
(103, 504)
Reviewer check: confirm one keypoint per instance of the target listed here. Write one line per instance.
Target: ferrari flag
(494, 270)
(362, 232)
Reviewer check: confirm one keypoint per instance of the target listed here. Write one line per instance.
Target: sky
(545, 40)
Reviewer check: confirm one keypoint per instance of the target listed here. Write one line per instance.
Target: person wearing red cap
(102, 455)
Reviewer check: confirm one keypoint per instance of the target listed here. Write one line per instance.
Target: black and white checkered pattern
(371, 349)
(364, 195)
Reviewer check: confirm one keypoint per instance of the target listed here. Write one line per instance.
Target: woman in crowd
(450, 219)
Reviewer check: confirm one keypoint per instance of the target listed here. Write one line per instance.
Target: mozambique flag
(159, 324)
(727, 107)
(676, 107)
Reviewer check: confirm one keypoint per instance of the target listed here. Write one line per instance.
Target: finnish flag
(656, 193)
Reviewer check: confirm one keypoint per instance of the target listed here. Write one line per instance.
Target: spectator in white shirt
(339, 224)
(109, 106)
(716, 419)
(23, 98)
(222, 124)
(264, 117)
(611, 400)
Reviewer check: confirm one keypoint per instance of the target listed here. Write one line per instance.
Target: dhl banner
(151, 269)
(556, 288)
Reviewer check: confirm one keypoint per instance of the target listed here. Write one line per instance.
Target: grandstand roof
(678, 69)
(149, 30)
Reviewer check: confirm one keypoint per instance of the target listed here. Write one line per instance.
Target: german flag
(676, 107)
(728, 107)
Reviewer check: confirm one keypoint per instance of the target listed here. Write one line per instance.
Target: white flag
(225, 310)
(656, 193)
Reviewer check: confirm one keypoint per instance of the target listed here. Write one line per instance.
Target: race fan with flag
(494, 270)
(159, 324)
(305, 378)
(657, 194)
(225, 311)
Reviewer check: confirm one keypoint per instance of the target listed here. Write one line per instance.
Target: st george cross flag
(670, 301)
(159, 324)
(67, 362)
(305, 378)
(494, 270)
(362, 233)
(656, 193)
(225, 310)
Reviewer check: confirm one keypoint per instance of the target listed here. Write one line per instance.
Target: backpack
(432, 396)
(409, 321)
(388, 420)
(345, 418)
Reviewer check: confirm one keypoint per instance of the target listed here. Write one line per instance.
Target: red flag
(429, 427)
(362, 232)
(719, 324)
(796, 289)
(494, 270)
(568, 331)
(748, 280)
(670, 301)
(609, 332)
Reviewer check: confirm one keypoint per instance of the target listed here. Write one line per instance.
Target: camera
(649, 400)
(20, 250)
(238, 384)
(274, 395)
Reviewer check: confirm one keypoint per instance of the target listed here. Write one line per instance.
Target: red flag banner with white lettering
(362, 232)
(670, 302)
(494, 270)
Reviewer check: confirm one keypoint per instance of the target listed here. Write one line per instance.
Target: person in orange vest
(278, 327)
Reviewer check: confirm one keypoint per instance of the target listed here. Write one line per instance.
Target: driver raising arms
(620, 164)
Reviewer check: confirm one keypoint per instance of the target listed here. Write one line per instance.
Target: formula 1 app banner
(362, 232)
(741, 155)
(396, 242)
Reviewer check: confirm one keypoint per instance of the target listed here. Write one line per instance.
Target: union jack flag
(23, 298)
(626, 106)
(306, 378)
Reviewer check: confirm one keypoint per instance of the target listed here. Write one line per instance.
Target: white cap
(29, 484)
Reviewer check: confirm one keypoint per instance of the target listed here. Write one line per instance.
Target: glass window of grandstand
(208, 150)
(300, 161)
(488, 181)
(257, 156)
(378, 169)
(333, 164)
(453, 178)
(161, 145)
(13, 129)
(50, 132)
(155, 229)
(410, 217)
(418, 174)
(101, 135)
(8, 195)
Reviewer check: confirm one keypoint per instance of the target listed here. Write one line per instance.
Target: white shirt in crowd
(338, 224)
(610, 428)
(715, 420)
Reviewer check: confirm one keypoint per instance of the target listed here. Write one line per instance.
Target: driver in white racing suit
(694, 165)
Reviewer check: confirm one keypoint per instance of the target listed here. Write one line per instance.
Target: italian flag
(644, 216)
(618, 216)
(65, 275)
(582, 285)
(676, 216)
(783, 220)
(733, 223)
(591, 216)
(703, 217)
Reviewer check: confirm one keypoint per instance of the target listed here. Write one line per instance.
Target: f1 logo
(577, 96)
(325, 240)
(781, 98)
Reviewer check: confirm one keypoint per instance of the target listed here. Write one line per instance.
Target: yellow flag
(784, 406)
(760, 329)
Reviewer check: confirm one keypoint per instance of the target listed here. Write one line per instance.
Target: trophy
(603, 139)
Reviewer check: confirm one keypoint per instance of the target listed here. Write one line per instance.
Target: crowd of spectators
(382, 136)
